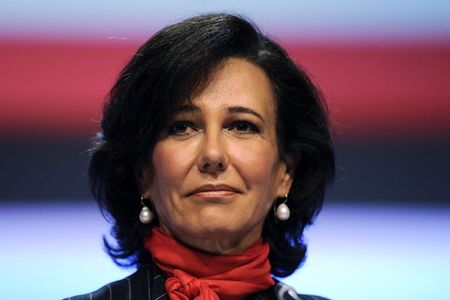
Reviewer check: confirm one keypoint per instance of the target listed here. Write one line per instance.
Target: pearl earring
(282, 212)
(146, 215)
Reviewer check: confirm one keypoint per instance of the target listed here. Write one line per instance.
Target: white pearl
(283, 212)
(146, 215)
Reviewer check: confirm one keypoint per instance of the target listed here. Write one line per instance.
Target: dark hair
(174, 65)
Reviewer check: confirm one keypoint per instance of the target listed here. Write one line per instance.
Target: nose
(213, 157)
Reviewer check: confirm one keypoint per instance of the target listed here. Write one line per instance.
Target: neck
(220, 244)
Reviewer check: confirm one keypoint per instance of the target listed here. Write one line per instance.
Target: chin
(213, 229)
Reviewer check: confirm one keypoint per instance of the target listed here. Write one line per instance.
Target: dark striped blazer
(147, 283)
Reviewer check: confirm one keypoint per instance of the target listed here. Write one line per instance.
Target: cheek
(258, 165)
(164, 174)
(169, 163)
(170, 167)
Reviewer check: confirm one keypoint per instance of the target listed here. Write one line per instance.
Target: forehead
(237, 82)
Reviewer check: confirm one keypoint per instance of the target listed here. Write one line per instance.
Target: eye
(244, 127)
(181, 128)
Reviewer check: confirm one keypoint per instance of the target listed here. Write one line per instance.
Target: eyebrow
(231, 109)
(241, 109)
(186, 108)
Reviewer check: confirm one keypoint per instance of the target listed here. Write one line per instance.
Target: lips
(214, 191)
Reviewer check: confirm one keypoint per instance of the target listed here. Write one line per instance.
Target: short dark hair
(174, 65)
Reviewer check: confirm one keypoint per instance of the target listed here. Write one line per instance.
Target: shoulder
(148, 283)
(311, 297)
(285, 292)
(145, 283)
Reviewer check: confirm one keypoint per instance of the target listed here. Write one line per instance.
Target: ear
(290, 161)
(144, 179)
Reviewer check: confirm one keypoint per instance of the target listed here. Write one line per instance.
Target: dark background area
(400, 171)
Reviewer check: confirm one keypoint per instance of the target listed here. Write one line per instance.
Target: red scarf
(193, 274)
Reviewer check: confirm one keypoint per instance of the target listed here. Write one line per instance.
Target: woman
(214, 156)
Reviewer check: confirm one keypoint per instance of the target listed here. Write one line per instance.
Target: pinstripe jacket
(147, 283)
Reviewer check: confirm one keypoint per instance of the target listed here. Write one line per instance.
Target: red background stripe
(57, 88)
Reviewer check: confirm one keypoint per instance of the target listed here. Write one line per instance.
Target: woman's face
(216, 170)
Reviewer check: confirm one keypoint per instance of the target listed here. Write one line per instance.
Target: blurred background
(384, 67)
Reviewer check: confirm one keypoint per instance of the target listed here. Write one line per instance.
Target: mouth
(214, 191)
